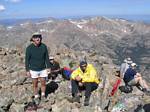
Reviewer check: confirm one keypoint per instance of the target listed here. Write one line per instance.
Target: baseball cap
(133, 64)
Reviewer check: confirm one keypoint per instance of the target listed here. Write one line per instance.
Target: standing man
(37, 64)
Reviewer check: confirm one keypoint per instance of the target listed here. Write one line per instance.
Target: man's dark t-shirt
(129, 74)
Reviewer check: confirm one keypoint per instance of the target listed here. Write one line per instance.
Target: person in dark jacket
(132, 78)
(37, 64)
(55, 68)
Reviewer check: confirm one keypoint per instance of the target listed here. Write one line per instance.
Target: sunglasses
(84, 66)
(51, 59)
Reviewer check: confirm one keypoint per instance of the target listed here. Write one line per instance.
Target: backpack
(126, 89)
(67, 73)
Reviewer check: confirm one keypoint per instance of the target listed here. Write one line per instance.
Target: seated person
(124, 66)
(133, 78)
(85, 76)
(55, 68)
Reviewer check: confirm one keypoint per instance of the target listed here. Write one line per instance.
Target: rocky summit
(102, 41)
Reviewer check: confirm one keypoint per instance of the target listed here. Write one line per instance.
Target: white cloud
(13, 1)
(2, 8)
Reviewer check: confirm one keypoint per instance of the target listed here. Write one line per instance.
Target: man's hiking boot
(37, 101)
(86, 101)
(74, 99)
(146, 91)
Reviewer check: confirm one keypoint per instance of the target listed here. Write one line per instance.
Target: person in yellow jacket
(84, 77)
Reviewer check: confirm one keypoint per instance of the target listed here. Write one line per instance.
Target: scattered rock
(100, 41)
(5, 103)
(16, 108)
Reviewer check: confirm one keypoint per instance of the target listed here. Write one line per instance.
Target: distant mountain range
(12, 22)
(135, 18)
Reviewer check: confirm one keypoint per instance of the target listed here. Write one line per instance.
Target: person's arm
(75, 75)
(122, 71)
(54, 71)
(47, 58)
(27, 58)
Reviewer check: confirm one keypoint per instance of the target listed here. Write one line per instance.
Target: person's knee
(95, 86)
(138, 79)
(35, 82)
(87, 84)
(35, 85)
(43, 82)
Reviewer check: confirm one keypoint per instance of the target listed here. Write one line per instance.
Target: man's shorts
(132, 82)
(37, 74)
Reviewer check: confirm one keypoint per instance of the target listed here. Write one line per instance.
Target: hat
(83, 63)
(36, 35)
(129, 61)
(51, 58)
(133, 64)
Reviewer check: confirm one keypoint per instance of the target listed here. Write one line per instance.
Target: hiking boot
(37, 101)
(74, 99)
(86, 101)
(147, 92)
(144, 89)
(43, 99)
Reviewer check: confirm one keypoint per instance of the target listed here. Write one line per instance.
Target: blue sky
(71, 8)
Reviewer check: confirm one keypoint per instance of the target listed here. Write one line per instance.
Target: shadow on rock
(31, 106)
(51, 87)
